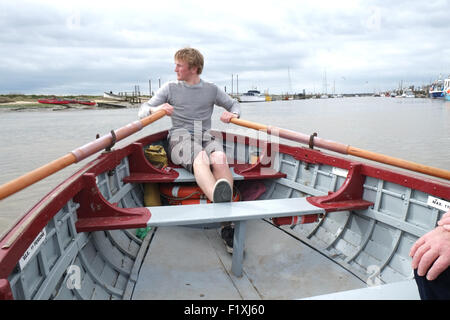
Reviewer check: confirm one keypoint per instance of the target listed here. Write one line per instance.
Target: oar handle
(249, 124)
(76, 155)
(344, 149)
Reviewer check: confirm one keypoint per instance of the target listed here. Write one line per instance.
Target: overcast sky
(88, 47)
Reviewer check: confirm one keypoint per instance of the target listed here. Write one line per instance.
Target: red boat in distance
(59, 101)
(88, 103)
(53, 101)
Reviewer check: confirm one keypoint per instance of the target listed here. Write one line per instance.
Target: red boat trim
(95, 213)
(141, 170)
(295, 220)
(28, 226)
(349, 195)
(260, 169)
(402, 177)
(406, 179)
(5, 290)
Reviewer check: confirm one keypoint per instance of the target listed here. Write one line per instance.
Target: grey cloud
(78, 48)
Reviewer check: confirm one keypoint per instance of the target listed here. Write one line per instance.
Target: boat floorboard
(192, 263)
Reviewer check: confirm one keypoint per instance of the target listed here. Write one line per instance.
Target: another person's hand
(445, 221)
(226, 116)
(431, 253)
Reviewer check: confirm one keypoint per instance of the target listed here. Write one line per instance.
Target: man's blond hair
(192, 57)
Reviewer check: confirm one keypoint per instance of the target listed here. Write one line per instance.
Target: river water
(412, 129)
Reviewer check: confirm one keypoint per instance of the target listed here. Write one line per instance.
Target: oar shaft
(36, 175)
(75, 156)
(432, 171)
(345, 149)
(293, 135)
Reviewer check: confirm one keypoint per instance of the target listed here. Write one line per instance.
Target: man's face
(183, 71)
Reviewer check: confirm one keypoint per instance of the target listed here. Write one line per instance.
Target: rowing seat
(239, 212)
(230, 211)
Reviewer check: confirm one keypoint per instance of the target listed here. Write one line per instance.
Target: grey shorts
(183, 148)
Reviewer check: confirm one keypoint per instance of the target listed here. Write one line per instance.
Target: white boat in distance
(408, 94)
(111, 95)
(252, 96)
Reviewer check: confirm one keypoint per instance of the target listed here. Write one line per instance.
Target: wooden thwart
(230, 211)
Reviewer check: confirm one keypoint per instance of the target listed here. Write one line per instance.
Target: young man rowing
(190, 102)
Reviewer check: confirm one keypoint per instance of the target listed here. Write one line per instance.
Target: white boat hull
(252, 99)
(113, 96)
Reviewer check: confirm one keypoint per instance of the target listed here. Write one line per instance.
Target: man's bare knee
(218, 158)
(201, 159)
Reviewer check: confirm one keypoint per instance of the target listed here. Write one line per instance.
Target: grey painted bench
(238, 212)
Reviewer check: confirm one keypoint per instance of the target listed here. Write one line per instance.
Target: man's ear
(194, 70)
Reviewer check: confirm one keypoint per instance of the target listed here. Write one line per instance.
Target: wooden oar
(76, 155)
(344, 149)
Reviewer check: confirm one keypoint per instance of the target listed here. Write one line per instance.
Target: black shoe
(227, 234)
(222, 191)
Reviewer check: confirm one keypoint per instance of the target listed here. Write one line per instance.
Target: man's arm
(232, 107)
(156, 103)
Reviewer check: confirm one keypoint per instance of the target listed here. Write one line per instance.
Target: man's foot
(227, 234)
(222, 191)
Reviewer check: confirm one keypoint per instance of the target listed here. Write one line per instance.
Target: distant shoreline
(21, 102)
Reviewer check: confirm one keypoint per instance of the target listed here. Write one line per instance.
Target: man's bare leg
(221, 170)
(205, 178)
(203, 175)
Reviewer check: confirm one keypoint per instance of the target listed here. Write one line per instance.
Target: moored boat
(252, 96)
(437, 89)
(86, 102)
(311, 222)
(67, 101)
(53, 101)
(111, 95)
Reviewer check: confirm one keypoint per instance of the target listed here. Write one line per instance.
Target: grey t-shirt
(192, 104)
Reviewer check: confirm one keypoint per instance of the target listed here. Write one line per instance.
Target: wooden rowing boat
(320, 225)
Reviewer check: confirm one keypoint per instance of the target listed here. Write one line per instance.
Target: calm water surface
(413, 129)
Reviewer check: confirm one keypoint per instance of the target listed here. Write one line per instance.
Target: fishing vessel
(437, 89)
(309, 224)
(252, 96)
